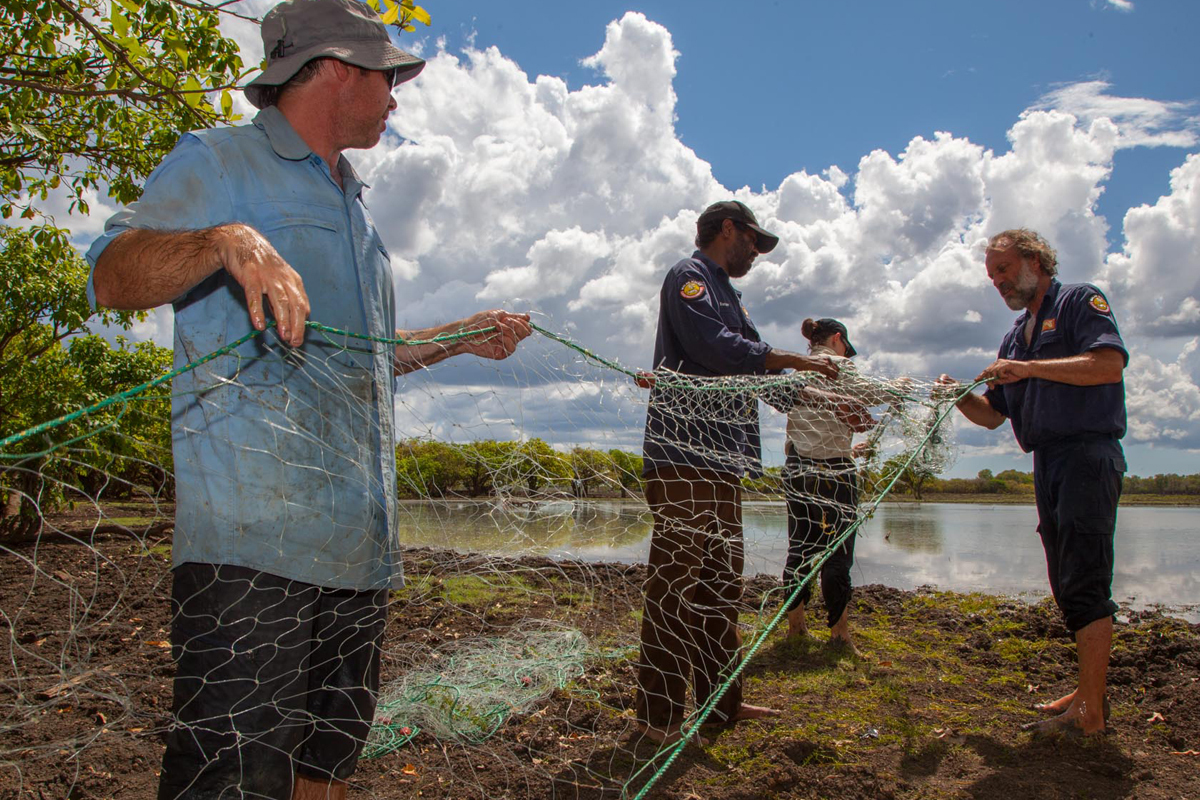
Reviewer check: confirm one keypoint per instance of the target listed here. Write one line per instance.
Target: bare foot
(1061, 705)
(797, 635)
(1058, 706)
(846, 646)
(1069, 725)
(670, 735)
(755, 712)
(797, 624)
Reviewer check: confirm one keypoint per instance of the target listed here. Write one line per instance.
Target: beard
(740, 259)
(1019, 294)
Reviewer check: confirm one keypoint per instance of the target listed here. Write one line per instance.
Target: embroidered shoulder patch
(1099, 303)
(1049, 325)
(692, 290)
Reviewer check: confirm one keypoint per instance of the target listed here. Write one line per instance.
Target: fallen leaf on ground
(1156, 717)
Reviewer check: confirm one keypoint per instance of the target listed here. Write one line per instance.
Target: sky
(554, 157)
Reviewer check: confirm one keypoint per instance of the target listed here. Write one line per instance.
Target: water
(959, 547)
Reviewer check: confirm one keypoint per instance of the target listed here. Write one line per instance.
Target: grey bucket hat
(297, 31)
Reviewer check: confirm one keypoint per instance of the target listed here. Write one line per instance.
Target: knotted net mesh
(508, 659)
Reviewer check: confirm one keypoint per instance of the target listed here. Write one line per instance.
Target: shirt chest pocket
(1050, 344)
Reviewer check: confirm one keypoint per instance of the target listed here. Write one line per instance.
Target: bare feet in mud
(755, 712)
(1068, 725)
(797, 625)
(1062, 704)
(1057, 706)
(847, 647)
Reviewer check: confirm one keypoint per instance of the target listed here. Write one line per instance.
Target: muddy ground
(934, 713)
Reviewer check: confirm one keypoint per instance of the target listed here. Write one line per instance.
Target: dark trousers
(273, 677)
(693, 586)
(822, 500)
(1077, 484)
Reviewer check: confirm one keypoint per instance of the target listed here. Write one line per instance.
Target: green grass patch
(466, 590)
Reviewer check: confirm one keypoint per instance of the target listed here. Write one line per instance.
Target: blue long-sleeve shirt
(705, 331)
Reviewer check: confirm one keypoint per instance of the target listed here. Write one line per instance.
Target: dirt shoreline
(84, 690)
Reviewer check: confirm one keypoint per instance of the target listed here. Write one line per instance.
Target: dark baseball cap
(297, 31)
(738, 212)
(826, 327)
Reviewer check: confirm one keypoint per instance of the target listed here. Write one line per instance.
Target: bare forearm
(490, 334)
(1094, 368)
(410, 358)
(977, 409)
(782, 359)
(143, 269)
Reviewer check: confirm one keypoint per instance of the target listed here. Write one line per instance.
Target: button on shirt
(1073, 319)
(284, 458)
(704, 330)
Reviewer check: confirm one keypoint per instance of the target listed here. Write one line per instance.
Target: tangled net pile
(509, 656)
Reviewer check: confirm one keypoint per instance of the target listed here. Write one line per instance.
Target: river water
(959, 547)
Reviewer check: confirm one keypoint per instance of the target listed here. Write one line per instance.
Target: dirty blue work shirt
(704, 330)
(284, 458)
(1073, 320)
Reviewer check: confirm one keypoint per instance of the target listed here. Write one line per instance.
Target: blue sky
(775, 87)
(554, 157)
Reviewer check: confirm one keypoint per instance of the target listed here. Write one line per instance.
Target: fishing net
(509, 656)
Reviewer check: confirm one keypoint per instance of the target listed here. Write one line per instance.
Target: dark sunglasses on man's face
(393, 77)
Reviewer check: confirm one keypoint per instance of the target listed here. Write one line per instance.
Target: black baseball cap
(826, 327)
(738, 212)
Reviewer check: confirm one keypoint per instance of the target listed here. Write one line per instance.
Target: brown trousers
(693, 586)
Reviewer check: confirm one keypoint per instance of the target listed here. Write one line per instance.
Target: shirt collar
(290, 145)
(283, 137)
(713, 268)
(1048, 301)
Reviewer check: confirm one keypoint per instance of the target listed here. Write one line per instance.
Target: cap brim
(368, 55)
(764, 242)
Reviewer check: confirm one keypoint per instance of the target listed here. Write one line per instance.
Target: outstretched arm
(974, 407)
(145, 268)
(1093, 368)
(497, 344)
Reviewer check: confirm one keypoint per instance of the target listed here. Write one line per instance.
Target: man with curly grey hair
(1058, 380)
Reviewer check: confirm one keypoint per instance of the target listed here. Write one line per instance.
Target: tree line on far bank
(427, 468)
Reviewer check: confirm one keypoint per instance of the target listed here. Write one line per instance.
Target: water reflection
(992, 549)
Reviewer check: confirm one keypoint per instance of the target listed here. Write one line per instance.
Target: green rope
(692, 725)
(661, 378)
(122, 397)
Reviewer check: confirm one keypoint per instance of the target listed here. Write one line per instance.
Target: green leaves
(97, 93)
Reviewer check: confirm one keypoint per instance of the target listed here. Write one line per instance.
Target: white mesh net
(509, 658)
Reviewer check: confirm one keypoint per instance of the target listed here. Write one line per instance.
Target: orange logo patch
(1049, 325)
(692, 290)
(1099, 303)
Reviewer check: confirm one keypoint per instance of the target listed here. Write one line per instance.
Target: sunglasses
(392, 76)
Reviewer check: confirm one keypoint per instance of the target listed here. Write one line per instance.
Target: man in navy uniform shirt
(698, 445)
(1058, 379)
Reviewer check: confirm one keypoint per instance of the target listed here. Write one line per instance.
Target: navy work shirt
(1072, 320)
(704, 330)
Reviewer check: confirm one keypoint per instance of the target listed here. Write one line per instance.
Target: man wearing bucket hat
(285, 544)
(693, 469)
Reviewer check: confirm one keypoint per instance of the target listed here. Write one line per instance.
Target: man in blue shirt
(285, 543)
(697, 447)
(1058, 379)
